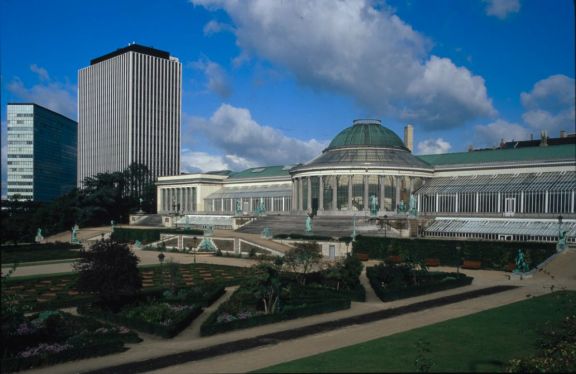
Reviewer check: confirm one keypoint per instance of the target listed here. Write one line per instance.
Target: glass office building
(41, 152)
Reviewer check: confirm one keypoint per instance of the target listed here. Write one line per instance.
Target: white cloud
(40, 71)
(217, 78)
(492, 134)
(59, 97)
(551, 104)
(214, 27)
(194, 162)
(245, 143)
(433, 146)
(502, 8)
(357, 49)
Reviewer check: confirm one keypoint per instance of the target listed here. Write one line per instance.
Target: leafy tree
(302, 259)
(109, 269)
(266, 285)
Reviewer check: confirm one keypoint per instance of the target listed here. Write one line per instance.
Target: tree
(302, 258)
(266, 285)
(109, 269)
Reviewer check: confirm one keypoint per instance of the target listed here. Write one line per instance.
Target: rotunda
(365, 166)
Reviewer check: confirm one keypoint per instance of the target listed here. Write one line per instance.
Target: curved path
(277, 351)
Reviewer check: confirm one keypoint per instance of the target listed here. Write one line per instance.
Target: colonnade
(352, 192)
(177, 199)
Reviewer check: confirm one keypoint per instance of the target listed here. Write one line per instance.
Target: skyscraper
(129, 105)
(41, 152)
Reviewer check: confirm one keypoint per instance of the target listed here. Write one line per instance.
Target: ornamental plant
(109, 269)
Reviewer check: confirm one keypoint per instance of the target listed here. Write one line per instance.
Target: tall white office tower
(129, 109)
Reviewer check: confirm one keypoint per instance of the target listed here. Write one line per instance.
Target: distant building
(41, 152)
(129, 109)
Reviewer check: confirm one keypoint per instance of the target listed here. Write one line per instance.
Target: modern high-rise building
(129, 109)
(41, 152)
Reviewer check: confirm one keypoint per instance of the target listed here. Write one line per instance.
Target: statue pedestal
(519, 276)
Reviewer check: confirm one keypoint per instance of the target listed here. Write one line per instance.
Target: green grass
(481, 342)
(21, 255)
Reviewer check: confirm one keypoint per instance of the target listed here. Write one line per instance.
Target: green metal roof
(552, 153)
(366, 133)
(262, 172)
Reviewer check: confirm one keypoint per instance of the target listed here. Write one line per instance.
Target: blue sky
(273, 81)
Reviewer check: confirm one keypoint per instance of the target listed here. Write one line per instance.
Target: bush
(109, 269)
(392, 282)
(494, 255)
(303, 237)
(39, 252)
(126, 235)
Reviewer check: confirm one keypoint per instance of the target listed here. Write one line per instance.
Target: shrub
(492, 254)
(109, 269)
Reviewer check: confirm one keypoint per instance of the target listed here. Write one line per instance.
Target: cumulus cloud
(57, 96)
(492, 134)
(360, 50)
(214, 27)
(217, 79)
(551, 104)
(433, 146)
(40, 71)
(197, 162)
(245, 143)
(502, 8)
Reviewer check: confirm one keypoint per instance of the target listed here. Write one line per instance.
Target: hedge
(39, 252)
(168, 331)
(459, 280)
(494, 255)
(210, 327)
(126, 234)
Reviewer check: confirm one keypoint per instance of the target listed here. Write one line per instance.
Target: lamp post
(161, 259)
(194, 244)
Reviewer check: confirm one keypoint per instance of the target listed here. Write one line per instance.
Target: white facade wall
(129, 109)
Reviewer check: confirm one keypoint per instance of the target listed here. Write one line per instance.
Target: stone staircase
(321, 225)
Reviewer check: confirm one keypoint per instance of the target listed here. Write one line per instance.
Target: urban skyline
(247, 101)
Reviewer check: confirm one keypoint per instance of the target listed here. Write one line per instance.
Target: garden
(288, 288)
(392, 281)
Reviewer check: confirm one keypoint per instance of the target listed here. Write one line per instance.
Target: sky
(271, 82)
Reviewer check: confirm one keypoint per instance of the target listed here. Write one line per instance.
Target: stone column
(294, 193)
(309, 193)
(335, 193)
(397, 183)
(366, 201)
(300, 197)
(350, 177)
(382, 181)
(321, 193)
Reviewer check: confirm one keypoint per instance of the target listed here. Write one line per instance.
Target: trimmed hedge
(168, 331)
(441, 283)
(494, 255)
(210, 327)
(39, 252)
(303, 237)
(126, 234)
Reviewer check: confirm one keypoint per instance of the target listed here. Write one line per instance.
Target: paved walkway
(264, 356)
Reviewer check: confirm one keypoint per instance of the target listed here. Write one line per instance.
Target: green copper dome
(367, 133)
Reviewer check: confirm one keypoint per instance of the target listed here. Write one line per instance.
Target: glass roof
(368, 133)
(382, 157)
(502, 226)
(528, 182)
(252, 191)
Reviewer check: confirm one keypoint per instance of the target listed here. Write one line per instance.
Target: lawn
(482, 342)
(39, 252)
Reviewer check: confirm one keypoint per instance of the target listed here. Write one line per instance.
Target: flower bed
(393, 282)
(52, 336)
(154, 317)
(240, 313)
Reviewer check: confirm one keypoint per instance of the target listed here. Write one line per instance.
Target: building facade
(42, 147)
(129, 110)
(522, 191)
